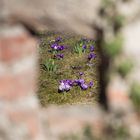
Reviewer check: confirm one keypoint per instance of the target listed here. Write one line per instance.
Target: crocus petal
(84, 46)
(79, 81)
(81, 73)
(91, 48)
(91, 56)
(84, 86)
(60, 56)
(90, 84)
(67, 87)
(54, 46)
(60, 47)
(70, 82)
(62, 86)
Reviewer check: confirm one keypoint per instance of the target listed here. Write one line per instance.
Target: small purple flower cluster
(91, 56)
(59, 56)
(84, 46)
(57, 47)
(66, 85)
(91, 48)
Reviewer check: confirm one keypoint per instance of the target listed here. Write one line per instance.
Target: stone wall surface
(21, 116)
(53, 14)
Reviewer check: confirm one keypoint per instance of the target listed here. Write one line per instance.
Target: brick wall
(19, 108)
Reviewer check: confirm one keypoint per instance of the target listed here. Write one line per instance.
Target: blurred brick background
(21, 116)
(18, 72)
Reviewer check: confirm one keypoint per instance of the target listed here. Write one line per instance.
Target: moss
(112, 133)
(119, 20)
(68, 68)
(125, 67)
(88, 133)
(84, 134)
(135, 95)
(113, 48)
(115, 132)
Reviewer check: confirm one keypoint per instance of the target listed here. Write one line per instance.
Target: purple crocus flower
(67, 87)
(84, 47)
(90, 84)
(60, 56)
(79, 81)
(64, 85)
(84, 86)
(91, 56)
(75, 82)
(70, 82)
(91, 48)
(60, 48)
(81, 73)
(58, 39)
(54, 46)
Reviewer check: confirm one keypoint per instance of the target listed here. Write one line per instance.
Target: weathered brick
(23, 124)
(16, 47)
(118, 100)
(29, 119)
(15, 86)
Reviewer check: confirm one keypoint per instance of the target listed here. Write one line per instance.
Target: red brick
(30, 119)
(15, 86)
(16, 47)
(117, 96)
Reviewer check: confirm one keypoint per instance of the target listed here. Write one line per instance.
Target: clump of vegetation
(110, 133)
(68, 70)
(113, 47)
(49, 65)
(85, 134)
(115, 132)
(124, 68)
(118, 21)
(135, 95)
